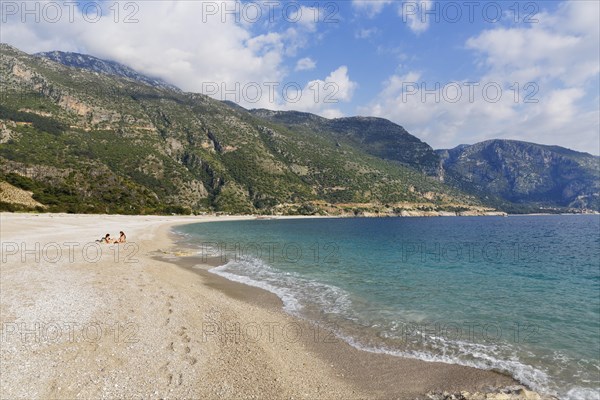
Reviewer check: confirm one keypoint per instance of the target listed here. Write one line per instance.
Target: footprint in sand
(170, 311)
(192, 360)
(170, 378)
(171, 381)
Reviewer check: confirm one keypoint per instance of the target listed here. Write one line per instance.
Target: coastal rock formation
(508, 393)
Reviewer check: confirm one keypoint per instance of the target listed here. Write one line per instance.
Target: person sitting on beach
(105, 239)
(122, 238)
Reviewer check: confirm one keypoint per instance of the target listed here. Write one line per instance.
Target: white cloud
(370, 7)
(561, 49)
(555, 62)
(305, 64)
(454, 117)
(179, 41)
(322, 96)
(308, 17)
(366, 33)
(345, 86)
(538, 54)
(413, 15)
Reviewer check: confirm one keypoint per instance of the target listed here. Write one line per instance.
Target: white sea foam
(578, 393)
(473, 357)
(255, 272)
(290, 303)
(297, 292)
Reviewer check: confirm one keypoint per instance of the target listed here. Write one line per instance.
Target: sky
(452, 72)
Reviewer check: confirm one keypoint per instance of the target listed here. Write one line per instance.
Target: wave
(255, 272)
(299, 293)
(578, 393)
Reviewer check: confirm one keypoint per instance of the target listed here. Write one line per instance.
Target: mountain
(77, 140)
(84, 61)
(376, 136)
(509, 175)
(80, 134)
(516, 175)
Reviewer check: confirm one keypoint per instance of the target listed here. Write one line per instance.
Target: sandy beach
(145, 320)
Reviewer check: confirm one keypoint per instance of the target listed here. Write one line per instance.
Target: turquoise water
(518, 294)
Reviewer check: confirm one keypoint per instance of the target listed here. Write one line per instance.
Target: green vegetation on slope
(101, 143)
(41, 123)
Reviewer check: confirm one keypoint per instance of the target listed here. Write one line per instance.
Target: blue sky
(368, 57)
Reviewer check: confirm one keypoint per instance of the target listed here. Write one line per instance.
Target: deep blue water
(518, 294)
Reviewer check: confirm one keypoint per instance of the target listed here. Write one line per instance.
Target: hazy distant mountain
(94, 64)
(525, 173)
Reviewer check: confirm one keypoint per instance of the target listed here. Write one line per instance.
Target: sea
(516, 294)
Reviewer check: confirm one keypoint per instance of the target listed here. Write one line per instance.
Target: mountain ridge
(81, 141)
(108, 67)
(524, 173)
(158, 149)
(377, 136)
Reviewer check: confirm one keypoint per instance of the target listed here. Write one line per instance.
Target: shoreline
(383, 369)
(185, 323)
